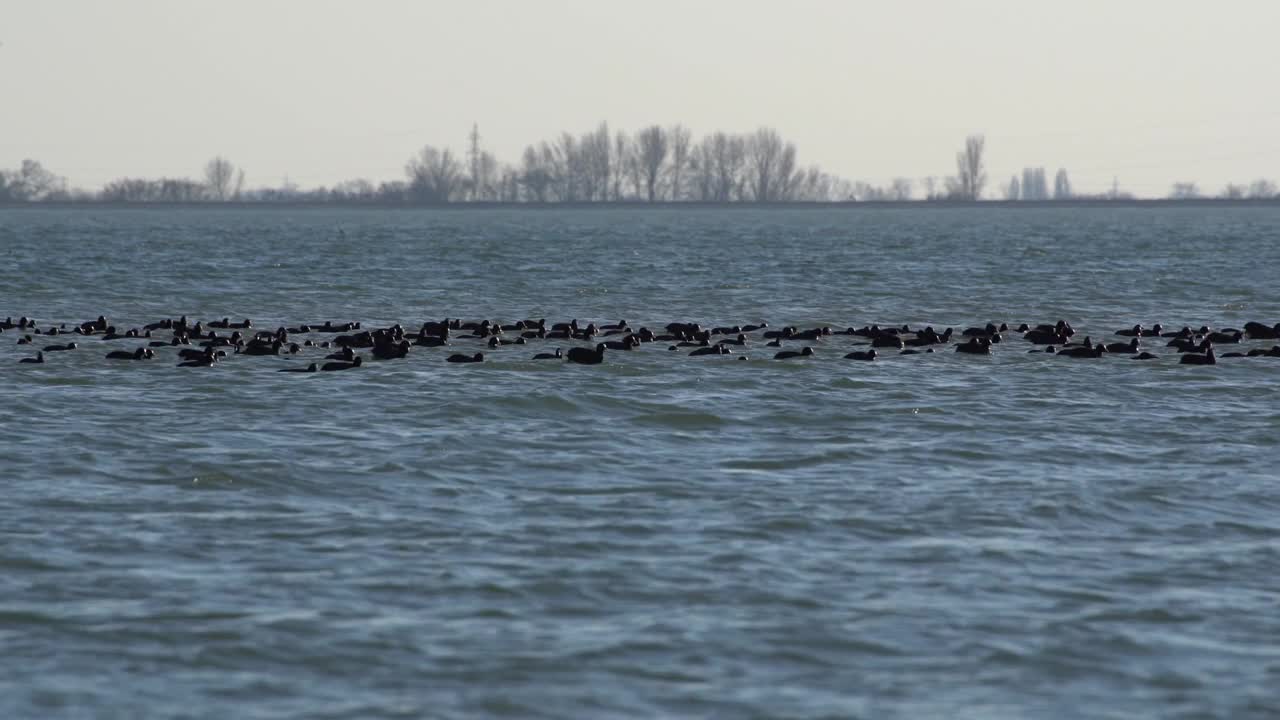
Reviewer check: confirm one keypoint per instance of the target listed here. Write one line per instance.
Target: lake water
(660, 535)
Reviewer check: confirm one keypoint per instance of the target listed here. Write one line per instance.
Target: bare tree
(1013, 190)
(31, 183)
(535, 176)
(1034, 185)
(680, 143)
(1262, 189)
(1061, 185)
(727, 154)
(623, 150)
(509, 185)
(901, 189)
(634, 170)
(597, 162)
(1184, 191)
(568, 169)
(435, 176)
(765, 158)
(812, 185)
(1233, 192)
(931, 188)
(652, 146)
(971, 173)
(221, 180)
(353, 191)
(473, 156)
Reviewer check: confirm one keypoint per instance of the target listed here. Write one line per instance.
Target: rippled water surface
(924, 536)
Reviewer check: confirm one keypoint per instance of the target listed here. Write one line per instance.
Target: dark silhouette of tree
(718, 164)
(652, 146)
(30, 183)
(1034, 185)
(221, 180)
(680, 139)
(771, 166)
(901, 189)
(1233, 192)
(1061, 185)
(477, 182)
(596, 148)
(622, 159)
(931, 188)
(971, 173)
(1013, 190)
(1262, 189)
(435, 176)
(537, 173)
(1184, 191)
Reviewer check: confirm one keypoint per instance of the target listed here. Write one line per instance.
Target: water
(977, 537)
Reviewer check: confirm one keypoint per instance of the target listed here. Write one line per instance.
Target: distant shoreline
(632, 205)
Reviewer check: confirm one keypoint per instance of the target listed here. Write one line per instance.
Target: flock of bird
(206, 344)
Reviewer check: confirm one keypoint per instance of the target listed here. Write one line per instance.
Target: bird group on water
(208, 343)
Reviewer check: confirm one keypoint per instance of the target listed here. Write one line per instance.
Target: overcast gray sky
(1147, 91)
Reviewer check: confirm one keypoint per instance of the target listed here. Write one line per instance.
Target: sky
(1143, 92)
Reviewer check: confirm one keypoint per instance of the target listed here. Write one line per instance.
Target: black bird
(1129, 347)
(308, 369)
(335, 366)
(787, 354)
(478, 357)
(1081, 351)
(712, 350)
(975, 346)
(139, 354)
(583, 356)
(37, 360)
(1197, 359)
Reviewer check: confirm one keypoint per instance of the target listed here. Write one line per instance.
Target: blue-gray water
(937, 535)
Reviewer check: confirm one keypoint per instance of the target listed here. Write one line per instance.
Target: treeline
(654, 164)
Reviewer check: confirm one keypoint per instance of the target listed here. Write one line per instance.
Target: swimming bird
(583, 356)
(478, 357)
(206, 361)
(1129, 347)
(1082, 351)
(711, 350)
(1258, 331)
(975, 346)
(139, 354)
(629, 342)
(335, 366)
(257, 347)
(308, 369)
(37, 360)
(549, 356)
(788, 354)
(867, 355)
(1208, 358)
(1223, 337)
